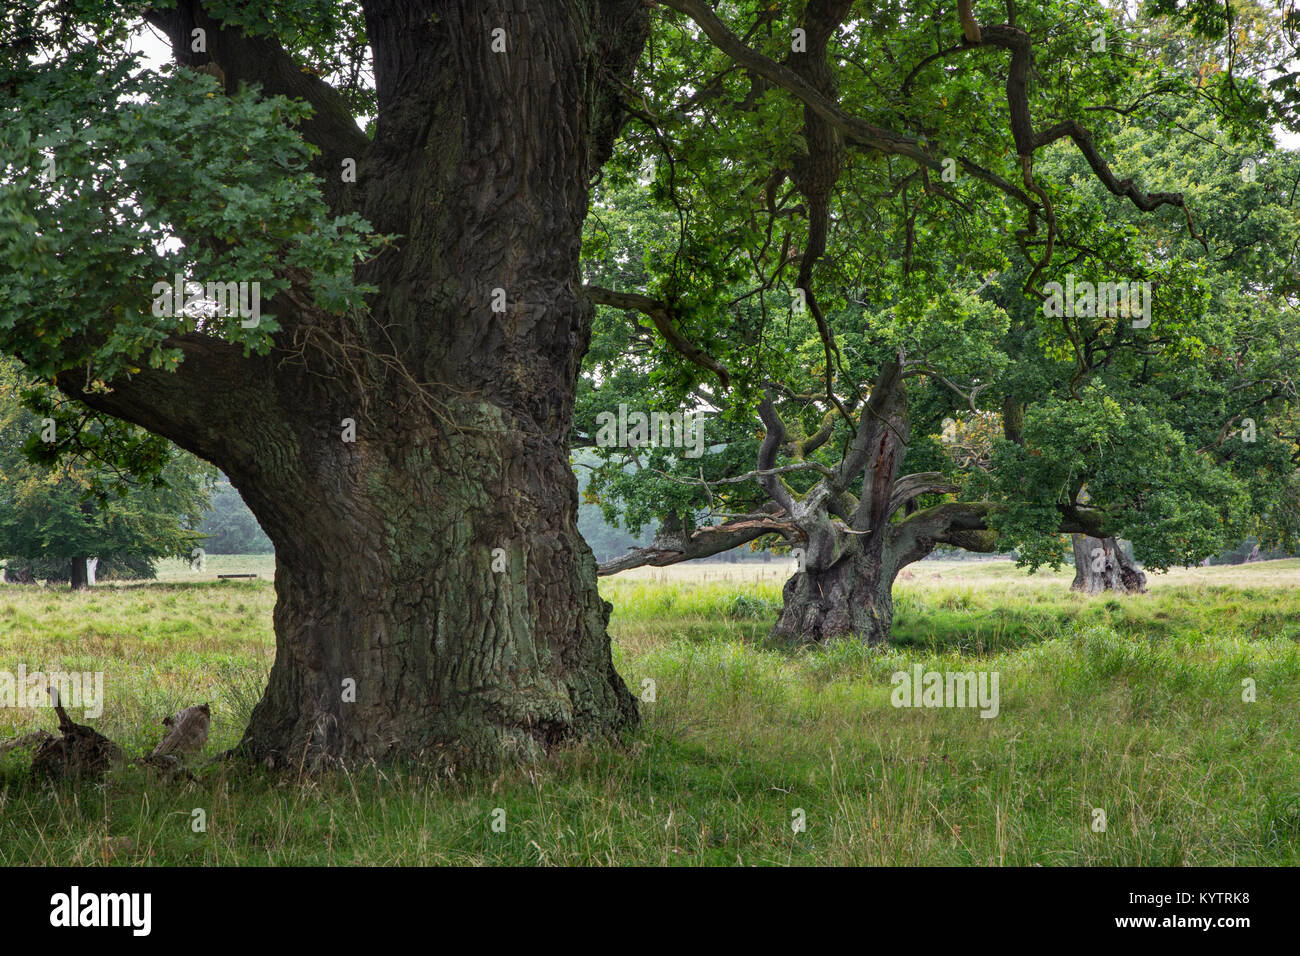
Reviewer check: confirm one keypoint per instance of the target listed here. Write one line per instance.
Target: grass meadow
(1129, 705)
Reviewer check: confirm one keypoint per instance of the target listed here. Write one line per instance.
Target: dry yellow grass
(980, 573)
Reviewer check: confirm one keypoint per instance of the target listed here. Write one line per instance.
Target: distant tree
(230, 528)
(119, 567)
(54, 518)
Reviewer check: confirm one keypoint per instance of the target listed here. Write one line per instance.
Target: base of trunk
(1101, 564)
(459, 685)
(442, 607)
(851, 598)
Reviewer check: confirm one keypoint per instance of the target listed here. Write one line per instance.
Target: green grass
(1132, 705)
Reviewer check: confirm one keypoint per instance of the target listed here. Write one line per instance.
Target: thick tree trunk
(854, 596)
(436, 561)
(1100, 564)
(844, 587)
(434, 597)
(851, 598)
(439, 603)
(80, 576)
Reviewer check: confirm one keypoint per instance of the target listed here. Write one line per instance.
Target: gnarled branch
(922, 483)
(703, 542)
(661, 314)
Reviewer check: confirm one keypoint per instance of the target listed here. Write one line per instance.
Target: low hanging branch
(661, 314)
(969, 525)
(703, 542)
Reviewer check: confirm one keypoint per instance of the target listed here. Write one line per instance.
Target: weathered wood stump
(187, 732)
(81, 751)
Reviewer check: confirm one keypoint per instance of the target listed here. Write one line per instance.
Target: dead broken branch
(81, 751)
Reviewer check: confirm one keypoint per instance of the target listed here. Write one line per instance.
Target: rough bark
(1100, 564)
(847, 570)
(434, 597)
(852, 597)
(387, 586)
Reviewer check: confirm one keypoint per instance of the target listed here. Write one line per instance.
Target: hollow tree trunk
(1100, 564)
